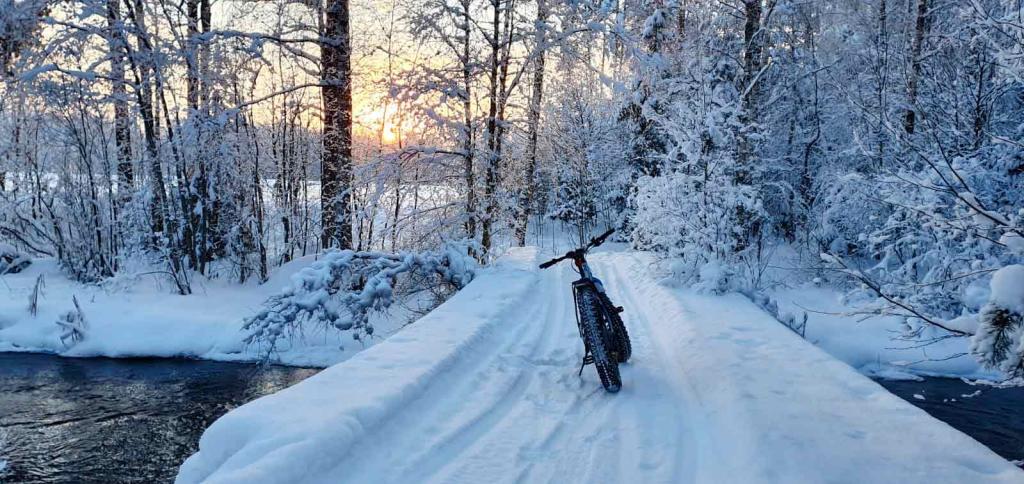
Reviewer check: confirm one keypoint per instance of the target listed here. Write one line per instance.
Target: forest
(324, 241)
(875, 146)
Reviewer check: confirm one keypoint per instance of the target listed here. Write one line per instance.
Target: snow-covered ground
(484, 389)
(874, 345)
(142, 316)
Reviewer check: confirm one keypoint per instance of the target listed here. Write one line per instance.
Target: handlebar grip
(549, 263)
(596, 241)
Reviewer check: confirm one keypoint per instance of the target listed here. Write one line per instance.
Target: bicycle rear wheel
(599, 338)
(623, 346)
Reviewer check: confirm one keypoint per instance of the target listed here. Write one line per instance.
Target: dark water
(72, 420)
(992, 416)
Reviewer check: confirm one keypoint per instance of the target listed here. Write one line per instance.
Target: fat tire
(622, 344)
(598, 337)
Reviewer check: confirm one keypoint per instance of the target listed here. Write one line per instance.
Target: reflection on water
(992, 416)
(104, 420)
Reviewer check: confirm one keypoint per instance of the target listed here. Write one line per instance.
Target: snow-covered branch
(345, 287)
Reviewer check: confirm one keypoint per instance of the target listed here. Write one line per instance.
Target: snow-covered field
(142, 316)
(484, 389)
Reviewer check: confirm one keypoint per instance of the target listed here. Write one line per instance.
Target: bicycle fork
(588, 358)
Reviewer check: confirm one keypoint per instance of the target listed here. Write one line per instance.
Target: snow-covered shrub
(999, 341)
(932, 246)
(847, 211)
(72, 325)
(698, 212)
(682, 217)
(11, 260)
(932, 252)
(66, 214)
(341, 290)
(590, 178)
(574, 200)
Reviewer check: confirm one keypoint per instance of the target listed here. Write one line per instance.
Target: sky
(375, 30)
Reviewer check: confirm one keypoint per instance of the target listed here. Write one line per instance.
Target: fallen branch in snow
(894, 302)
(72, 324)
(341, 290)
(33, 299)
(12, 261)
(770, 306)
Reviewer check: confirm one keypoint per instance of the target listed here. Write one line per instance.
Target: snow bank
(302, 431)
(772, 408)
(871, 345)
(142, 317)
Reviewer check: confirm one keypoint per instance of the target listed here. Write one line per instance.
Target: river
(82, 420)
(993, 416)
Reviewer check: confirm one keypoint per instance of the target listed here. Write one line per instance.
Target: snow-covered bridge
(484, 390)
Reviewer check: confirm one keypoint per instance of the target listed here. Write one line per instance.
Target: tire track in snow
(460, 396)
(635, 435)
(461, 406)
(515, 409)
(651, 374)
(550, 402)
(445, 454)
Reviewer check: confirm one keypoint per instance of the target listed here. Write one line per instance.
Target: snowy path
(518, 410)
(716, 392)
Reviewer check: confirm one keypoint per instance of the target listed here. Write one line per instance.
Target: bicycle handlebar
(551, 262)
(594, 242)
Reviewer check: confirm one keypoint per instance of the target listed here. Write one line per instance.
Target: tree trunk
(982, 110)
(883, 77)
(206, 20)
(190, 182)
(146, 75)
(122, 126)
(921, 23)
(468, 144)
(533, 127)
(144, 70)
(491, 175)
(753, 54)
(336, 161)
(191, 56)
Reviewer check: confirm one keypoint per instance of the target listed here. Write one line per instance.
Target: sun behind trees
(876, 144)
